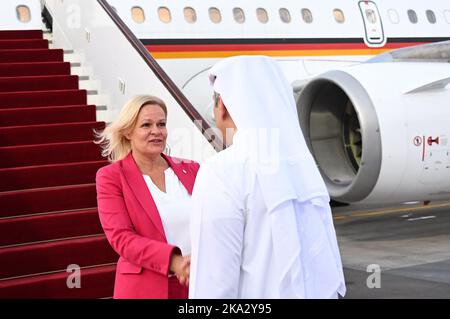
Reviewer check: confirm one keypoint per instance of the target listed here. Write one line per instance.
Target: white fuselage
(401, 108)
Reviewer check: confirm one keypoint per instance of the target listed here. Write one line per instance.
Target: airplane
(370, 77)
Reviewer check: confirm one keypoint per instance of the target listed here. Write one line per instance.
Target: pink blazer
(134, 229)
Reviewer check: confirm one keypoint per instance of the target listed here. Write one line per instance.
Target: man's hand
(181, 266)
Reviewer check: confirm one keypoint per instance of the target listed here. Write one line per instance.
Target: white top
(174, 207)
(233, 253)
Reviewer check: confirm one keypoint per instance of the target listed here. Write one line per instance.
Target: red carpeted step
(43, 98)
(34, 69)
(28, 155)
(18, 178)
(49, 133)
(31, 55)
(24, 44)
(47, 115)
(55, 256)
(28, 229)
(48, 164)
(96, 282)
(38, 83)
(44, 200)
(21, 34)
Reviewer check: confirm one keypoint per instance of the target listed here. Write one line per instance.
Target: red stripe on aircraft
(269, 46)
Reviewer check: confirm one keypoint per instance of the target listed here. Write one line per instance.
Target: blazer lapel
(183, 174)
(140, 189)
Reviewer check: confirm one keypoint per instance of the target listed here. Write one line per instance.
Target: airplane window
(189, 15)
(285, 16)
(412, 15)
(23, 14)
(431, 16)
(339, 15)
(371, 16)
(393, 16)
(307, 15)
(164, 15)
(138, 14)
(214, 15)
(239, 15)
(447, 16)
(262, 16)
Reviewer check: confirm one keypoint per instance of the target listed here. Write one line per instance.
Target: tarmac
(393, 252)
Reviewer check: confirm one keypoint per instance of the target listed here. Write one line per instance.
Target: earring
(167, 150)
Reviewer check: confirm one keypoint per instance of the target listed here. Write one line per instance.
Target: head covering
(258, 97)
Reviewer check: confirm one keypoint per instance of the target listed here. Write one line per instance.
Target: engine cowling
(379, 131)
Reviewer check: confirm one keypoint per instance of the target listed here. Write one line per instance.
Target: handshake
(180, 266)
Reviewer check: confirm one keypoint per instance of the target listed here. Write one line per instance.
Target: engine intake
(341, 128)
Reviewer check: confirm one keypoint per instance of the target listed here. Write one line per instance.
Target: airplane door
(374, 36)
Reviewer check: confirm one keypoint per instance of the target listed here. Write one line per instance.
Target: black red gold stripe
(218, 48)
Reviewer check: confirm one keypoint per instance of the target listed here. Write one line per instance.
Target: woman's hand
(181, 266)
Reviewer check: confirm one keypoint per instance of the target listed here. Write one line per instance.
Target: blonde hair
(115, 145)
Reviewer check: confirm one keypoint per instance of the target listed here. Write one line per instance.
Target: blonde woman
(144, 203)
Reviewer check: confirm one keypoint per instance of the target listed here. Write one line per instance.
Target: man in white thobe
(261, 224)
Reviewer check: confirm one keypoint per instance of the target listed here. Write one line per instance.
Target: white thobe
(232, 251)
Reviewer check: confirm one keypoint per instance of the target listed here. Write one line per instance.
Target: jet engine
(379, 131)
